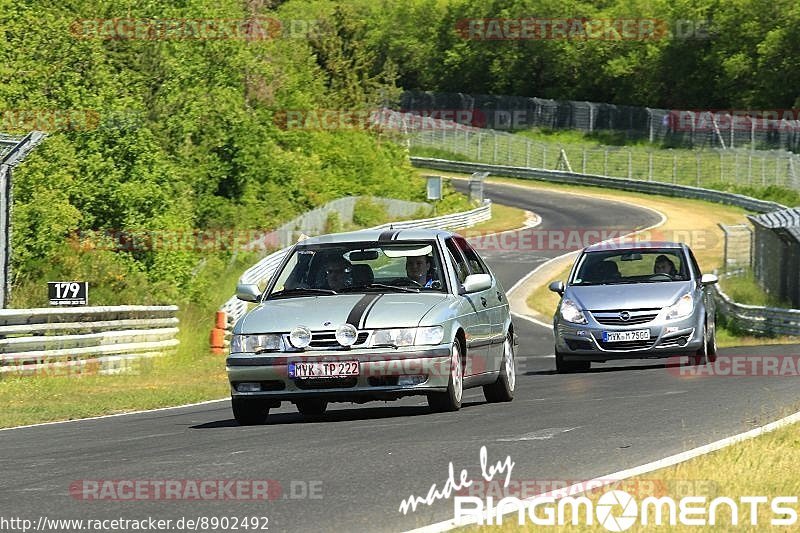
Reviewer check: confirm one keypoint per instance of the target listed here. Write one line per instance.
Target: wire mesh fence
(700, 168)
(763, 129)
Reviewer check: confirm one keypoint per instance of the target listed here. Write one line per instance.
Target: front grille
(384, 381)
(326, 383)
(615, 320)
(627, 345)
(579, 344)
(327, 339)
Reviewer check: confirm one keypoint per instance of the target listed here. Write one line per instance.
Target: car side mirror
(476, 282)
(557, 286)
(248, 292)
(708, 279)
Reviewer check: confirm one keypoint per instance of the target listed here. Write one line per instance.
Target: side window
(458, 261)
(476, 266)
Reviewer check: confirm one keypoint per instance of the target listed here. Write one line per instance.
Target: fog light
(300, 337)
(248, 387)
(346, 334)
(411, 380)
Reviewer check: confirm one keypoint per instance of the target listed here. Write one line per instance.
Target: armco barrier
(557, 176)
(755, 319)
(767, 321)
(49, 339)
(234, 308)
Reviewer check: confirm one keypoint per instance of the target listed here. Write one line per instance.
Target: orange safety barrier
(217, 338)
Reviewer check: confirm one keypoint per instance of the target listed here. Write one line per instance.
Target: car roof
(382, 235)
(632, 245)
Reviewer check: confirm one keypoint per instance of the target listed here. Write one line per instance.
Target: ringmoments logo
(617, 510)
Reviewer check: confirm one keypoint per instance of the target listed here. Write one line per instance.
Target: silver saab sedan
(372, 315)
(632, 301)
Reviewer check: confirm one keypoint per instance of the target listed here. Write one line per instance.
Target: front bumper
(667, 338)
(381, 374)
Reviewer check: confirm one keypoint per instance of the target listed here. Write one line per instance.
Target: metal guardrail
(263, 270)
(48, 339)
(558, 176)
(767, 321)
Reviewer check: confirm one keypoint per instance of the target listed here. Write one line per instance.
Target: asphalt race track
(350, 470)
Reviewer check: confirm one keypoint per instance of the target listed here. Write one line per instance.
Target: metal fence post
(605, 162)
(650, 166)
(674, 168)
(698, 168)
(721, 167)
(749, 168)
(583, 162)
(5, 234)
(480, 136)
(544, 156)
(528, 154)
(630, 165)
(494, 155)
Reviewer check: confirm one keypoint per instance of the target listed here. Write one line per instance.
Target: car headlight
(256, 343)
(571, 313)
(408, 336)
(683, 307)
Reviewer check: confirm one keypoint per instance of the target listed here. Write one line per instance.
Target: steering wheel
(406, 282)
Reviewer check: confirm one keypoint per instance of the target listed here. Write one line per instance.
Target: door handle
(483, 301)
(500, 296)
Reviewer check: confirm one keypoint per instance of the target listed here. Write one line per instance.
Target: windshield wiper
(393, 287)
(302, 290)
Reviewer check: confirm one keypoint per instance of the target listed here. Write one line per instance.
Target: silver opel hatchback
(372, 315)
(632, 301)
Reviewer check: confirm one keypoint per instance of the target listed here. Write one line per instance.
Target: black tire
(312, 407)
(711, 346)
(450, 400)
(249, 412)
(701, 356)
(502, 390)
(568, 367)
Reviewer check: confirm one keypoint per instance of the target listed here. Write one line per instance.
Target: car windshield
(330, 269)
(613, 267)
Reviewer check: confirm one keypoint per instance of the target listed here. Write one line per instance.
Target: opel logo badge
(326, 323)
(625, 316)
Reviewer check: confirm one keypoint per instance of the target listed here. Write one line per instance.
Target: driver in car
(664, 265)
(338, 273)
(418, 270)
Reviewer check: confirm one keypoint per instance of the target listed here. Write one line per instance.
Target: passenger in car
(664, 265)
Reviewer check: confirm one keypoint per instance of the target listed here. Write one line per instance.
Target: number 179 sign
(68, 292)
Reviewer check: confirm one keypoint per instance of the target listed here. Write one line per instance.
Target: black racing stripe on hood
(387, 235)
(358, 310)
(369, 309)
